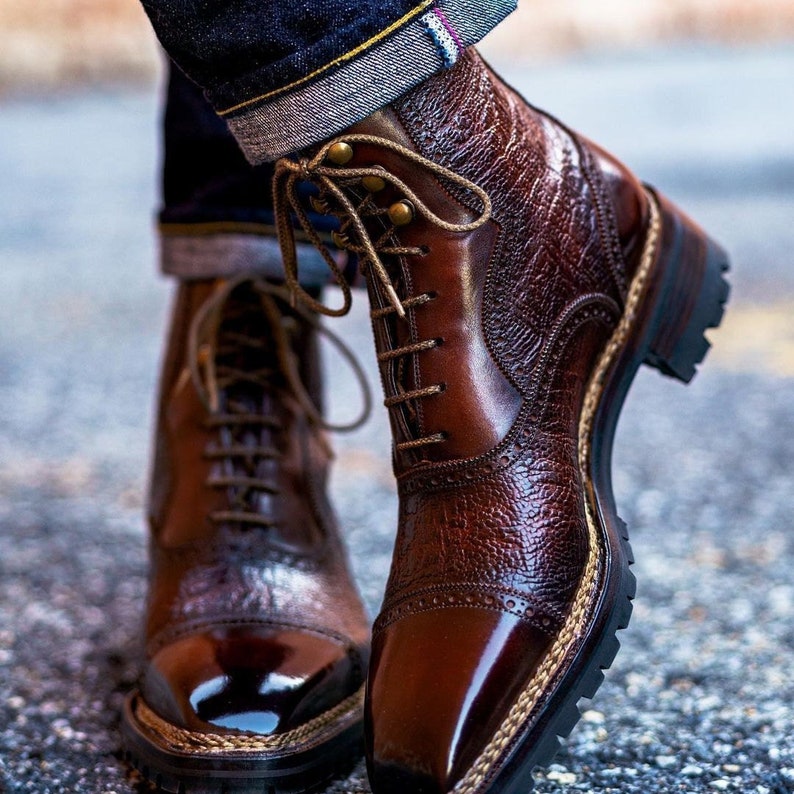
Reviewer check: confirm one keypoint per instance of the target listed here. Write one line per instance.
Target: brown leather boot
(518, 277)
(256, 639)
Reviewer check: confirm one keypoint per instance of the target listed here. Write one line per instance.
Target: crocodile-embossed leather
(492, 538)
(249, 627)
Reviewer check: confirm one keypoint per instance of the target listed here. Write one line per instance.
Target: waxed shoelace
(331, 180)
(334, 183)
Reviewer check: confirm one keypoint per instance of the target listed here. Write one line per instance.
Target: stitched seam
(335, 62)
(560, 335)
(607, 221)
(168, 635)
(481, 588)
(588, 592)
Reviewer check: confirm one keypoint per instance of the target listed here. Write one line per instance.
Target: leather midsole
(181, 740)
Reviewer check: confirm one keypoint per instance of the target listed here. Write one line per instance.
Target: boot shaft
(518, 304)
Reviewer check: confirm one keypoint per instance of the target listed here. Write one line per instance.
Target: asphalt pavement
(700, 699)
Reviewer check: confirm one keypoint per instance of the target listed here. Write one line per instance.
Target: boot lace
(370, 231)
(235, 370)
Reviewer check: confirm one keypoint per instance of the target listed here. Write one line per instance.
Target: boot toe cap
(441, 684)
(250, 678)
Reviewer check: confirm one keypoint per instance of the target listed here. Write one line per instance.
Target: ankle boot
(256, 639)
(518, 277)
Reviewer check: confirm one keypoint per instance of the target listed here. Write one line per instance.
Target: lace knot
(332, 175)
(305, 168)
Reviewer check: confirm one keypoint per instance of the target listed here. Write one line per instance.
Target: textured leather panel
(551, 249)
(220, 584)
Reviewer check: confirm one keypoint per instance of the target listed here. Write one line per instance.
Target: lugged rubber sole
(678, 293)
(307, 764)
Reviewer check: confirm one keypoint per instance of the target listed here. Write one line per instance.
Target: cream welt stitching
(586, 595)
(183, 740)
(335, 62)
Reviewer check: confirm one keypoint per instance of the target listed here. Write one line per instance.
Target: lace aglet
(395, 300)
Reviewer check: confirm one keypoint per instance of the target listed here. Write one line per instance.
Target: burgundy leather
(492, 536)
(249, 628)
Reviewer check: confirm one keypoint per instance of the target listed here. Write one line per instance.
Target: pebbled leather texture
(492, 536)
(248, 628)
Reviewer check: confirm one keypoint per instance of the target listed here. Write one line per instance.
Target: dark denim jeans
(286, 74)
(269, 77)
(216, 218)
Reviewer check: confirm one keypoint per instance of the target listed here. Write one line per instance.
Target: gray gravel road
(700, 698)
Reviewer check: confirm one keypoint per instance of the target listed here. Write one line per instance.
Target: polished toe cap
(441, 683)
(250, 678)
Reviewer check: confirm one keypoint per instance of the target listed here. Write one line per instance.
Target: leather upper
(492, 537)
(250, 626)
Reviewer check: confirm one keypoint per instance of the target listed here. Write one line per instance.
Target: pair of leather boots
(518, 277)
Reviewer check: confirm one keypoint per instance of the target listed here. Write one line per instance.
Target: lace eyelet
(374, 184)
(401, 213)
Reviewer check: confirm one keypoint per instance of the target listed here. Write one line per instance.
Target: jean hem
(203, 254)
(314, 111)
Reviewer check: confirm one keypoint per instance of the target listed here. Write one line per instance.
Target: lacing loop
(203, 349)
(331, 180)
(211, 380)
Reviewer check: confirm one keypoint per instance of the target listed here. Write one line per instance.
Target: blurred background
(62, 42)
(698, 97)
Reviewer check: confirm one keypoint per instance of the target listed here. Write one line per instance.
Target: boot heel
(691, 297)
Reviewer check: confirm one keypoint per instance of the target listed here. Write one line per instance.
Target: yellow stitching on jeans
(587, 593)
(202, 228)
(336, 61)
(183, 740)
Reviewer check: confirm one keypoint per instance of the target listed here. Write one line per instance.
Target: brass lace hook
(289, 172)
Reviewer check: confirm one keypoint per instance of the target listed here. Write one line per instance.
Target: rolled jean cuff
(354, 86)
(208, 251)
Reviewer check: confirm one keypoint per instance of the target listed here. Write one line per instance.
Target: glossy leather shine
(435, 731)
(249, 678)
